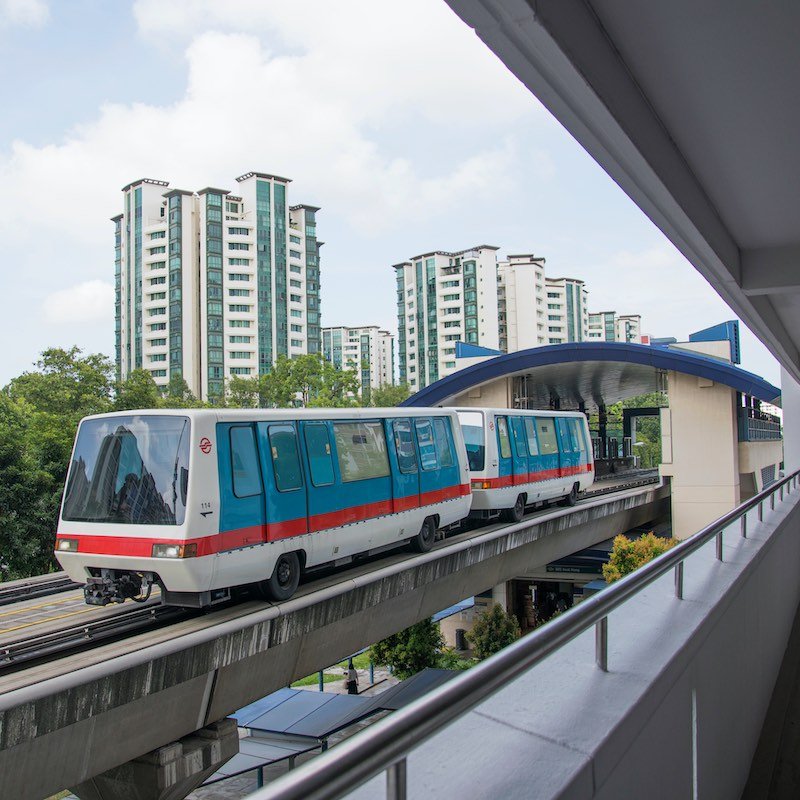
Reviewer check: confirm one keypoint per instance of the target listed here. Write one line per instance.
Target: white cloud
(26, 13)
(87, 302)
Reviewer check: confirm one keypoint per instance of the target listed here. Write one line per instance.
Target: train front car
(518, 458)
(127, 523)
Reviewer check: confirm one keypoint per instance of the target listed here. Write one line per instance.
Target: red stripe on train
(533, 477)
(258, 534)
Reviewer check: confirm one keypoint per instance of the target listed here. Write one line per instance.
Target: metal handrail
(385, 745)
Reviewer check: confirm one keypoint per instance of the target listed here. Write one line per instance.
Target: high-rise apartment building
(567, 314)
(443, 298)
(366, 350)
(521, 305)
(213, 284)
(606, 326)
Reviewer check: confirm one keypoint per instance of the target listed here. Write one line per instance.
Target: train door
(324, 493)
(429, 478)
(549, 459)
(242, 520)
(519, 450)
(287, 509)
(405, 479)
(570, 453)
(505, 455)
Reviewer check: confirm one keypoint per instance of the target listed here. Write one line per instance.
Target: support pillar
(170, 772)
(790, 401)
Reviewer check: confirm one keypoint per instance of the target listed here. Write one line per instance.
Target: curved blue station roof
(592, 373)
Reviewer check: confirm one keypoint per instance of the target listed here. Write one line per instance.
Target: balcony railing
(756, 427)
(385, 745)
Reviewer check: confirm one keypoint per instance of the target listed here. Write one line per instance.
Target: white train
(517, 458)
(201, 501)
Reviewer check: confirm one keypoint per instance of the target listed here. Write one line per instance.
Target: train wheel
(516, 512)
(283, 582)
(572, 497)
(424, 540)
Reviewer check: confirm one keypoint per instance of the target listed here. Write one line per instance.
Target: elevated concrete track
(66, 721)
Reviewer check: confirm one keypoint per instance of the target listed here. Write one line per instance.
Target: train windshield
(129, 469)
(474, 438)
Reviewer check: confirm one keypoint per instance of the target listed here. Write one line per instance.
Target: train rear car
(198, 502)
(517, 458)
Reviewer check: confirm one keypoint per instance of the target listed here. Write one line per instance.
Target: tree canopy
(411, 650)
(493, 630)
(628, 555)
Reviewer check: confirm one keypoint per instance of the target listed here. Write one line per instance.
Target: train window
(244, 462)
(361, 449)
(502, 437)
(441, 432)
(472, 428)
(427, 447)
(404, 444)
(530, 430)
(546, 433)
(318, 446)
(285, 460)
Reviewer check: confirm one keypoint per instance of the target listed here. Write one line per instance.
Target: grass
(335, 672)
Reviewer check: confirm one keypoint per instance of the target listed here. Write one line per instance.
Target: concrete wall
(496, 394)
(790, 395)
(680, 711)
(700, 451)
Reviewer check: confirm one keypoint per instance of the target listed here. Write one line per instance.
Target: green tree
(389, 396)
(139, 390)
(628, 555)
(411, 650)
(178, 395)
(242, 392)
(493, 630)
(27, 532)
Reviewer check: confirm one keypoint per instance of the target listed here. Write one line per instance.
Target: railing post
(601, 643)
(761, 511)
(772, 501)
(781, 490)
(719, 546)
(396, 781)
(679, 580)
(744, 525)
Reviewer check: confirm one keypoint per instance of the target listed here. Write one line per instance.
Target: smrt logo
(205, 445)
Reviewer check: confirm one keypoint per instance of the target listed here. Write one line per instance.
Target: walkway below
(775, 771)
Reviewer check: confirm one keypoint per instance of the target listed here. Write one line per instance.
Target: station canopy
(590, 374)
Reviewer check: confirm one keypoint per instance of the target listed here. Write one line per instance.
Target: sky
(392, 117)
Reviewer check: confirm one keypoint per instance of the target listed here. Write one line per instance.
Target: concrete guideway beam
(771, 270)
(169, 772)
(64, 730)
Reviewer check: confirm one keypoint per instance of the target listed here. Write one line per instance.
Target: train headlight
(174, 550)
(67, 546)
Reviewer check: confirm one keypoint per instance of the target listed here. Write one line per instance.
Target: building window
(155, 250)
(238, 246)
(239, 262)
(296, 328)
(158, 357)
(295, 284)
(238, 276)
(158, 235)
(239, 308)
(240, 370)
(295, 268)
(295, 313)
(295, 298)
(240, 339)
(239, 292)
(238, 231)
(296, 343)
(295, 254)
(156, 312)
(241, 354)
(240, 323)
(158, 342)
(158, 373)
